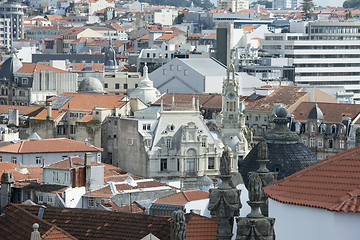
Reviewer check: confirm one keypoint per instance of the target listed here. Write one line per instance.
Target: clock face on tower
(230, 95)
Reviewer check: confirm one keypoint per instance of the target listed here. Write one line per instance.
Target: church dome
(285, 152)
(316, 113)
(91, 85)
(9, 67)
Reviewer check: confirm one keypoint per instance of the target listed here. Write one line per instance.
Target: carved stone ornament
(225, 161)
(178, 226)
(255, 229)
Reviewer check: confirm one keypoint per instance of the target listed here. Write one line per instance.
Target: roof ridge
(21, 145)
(54, 227)
(186, 196)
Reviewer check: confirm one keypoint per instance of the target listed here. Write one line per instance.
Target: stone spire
(225, 201)
(255, 225)
(178, 226)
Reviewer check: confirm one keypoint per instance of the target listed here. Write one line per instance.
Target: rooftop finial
(145, 72)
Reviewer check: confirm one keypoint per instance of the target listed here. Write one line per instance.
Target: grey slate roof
(316, 113)
(286, 159)
(206, 66)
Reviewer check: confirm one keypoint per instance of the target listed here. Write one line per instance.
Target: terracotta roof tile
(181, 198)
(210, 36)
(286, 95)
(210, 100)
(87, 102)
(16, 224)
(166, 36)
(333, 112)
(95, 224)
(70, 163)
(23, 110)
(332, 184)
(200, 227)
(37, 68)
(49, 145)
(81, 66)
(55, 114)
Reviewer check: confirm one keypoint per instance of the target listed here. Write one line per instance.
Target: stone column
(225, 201)
(178, 226)
(255, 225)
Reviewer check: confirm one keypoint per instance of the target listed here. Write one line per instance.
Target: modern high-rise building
(233, 5)
(11, 22)
(286, 4)
(323, 53)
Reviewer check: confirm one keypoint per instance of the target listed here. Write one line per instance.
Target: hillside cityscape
(174, 120)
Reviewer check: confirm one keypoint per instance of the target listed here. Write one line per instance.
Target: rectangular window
(117, 86)
(331, 142)
(49, 199)
(171, 67)
(67, 177)
(38, 160)
(320, 143)
(125, 86)
(55, 176)
(91, 202)
(168, 143)
(342, 144)
(148, 126)
(304, 141)
(211, 163)
(203, 143)
(144, 126)
(0, 158)
(163, 164)
(186, 72)
(179, 67)
(72, 129)
(164, 71)
(312, 142)
(106, 85)
(312, 128)
(13, 160)
(25, 81)
(40, 198)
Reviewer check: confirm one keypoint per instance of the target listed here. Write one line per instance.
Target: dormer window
(312, 128)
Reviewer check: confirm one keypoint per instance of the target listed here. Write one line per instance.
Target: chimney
(41, 211)
(49, 110)
(13, 116)
(7, 180)
(87, 170)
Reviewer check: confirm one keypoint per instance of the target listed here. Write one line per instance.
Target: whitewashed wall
(299, 223)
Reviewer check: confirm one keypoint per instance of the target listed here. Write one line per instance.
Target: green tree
(307, 8)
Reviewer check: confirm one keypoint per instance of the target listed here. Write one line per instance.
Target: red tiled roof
(333, 112)
(71, 162)
(94, 224)
(81, 66)
(87, 102)
(286, 95)
(48, 145)
(200, 227)
(210, 36)
(145, 37)
(43, 114)
(37, 67)
(166, 36)
(16, 224)
(181, 198)
(332, 184)
(210, 100)
(23, 110)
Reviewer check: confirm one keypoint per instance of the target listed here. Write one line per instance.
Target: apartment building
(323, 53)
(233, 5)
(11, 23)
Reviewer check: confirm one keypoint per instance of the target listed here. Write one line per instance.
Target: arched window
(2, 91)
(333, 129)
